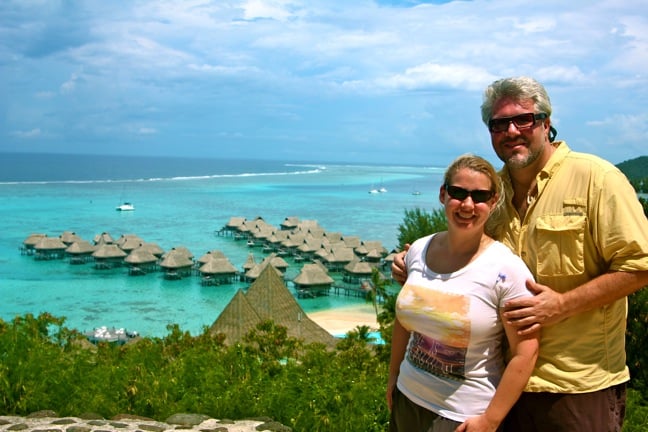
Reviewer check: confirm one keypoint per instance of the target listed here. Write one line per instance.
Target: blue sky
(323, 80)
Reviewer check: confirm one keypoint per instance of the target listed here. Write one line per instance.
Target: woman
(447, 369)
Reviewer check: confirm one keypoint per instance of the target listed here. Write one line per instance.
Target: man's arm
(548, 307)
(398, 267)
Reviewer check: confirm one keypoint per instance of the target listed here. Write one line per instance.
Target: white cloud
(345, 69)
(147, 131)
(431, 75)
(33, 133)
(271, 9)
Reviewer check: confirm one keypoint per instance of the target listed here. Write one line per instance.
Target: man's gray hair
(518, 89)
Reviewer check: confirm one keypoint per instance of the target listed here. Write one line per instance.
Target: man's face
(518, 147)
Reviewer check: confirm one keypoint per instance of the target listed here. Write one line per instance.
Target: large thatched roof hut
(236, 320)
(268, 298)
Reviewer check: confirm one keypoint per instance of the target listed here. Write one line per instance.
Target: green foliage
(419, 223)
(644, 204)
(43, 365)
(636, 419)
(307, 387)
(636, 334)
(635, 170)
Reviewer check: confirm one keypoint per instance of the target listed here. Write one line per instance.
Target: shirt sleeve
(621, 228)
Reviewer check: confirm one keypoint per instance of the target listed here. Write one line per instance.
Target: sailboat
(126, 206)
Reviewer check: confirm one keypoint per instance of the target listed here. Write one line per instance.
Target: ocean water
(179, 202)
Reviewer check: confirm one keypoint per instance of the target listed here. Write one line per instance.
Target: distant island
(637, 172)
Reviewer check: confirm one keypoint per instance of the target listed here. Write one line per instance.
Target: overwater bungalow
(141, 261)
(28, 244)
(108, 256)
(356, 271)
(49, 248)
(80, 252)
(313, 280)
(177, 263)
(338, 257)
(218, 271)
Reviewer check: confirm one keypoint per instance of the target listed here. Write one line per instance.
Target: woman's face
(467, 212)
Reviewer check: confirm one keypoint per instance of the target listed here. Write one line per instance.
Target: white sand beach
(341, 320)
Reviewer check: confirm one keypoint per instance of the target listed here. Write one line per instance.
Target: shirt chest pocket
(560, 245)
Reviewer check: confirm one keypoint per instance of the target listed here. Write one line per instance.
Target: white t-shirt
(455, 355)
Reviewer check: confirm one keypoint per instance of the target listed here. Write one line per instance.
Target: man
(577, 223)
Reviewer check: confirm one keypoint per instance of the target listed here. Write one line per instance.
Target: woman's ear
(442, 194)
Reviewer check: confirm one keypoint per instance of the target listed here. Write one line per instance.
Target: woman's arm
(515, 377)
(400, 337)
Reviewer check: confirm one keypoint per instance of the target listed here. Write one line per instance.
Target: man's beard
(518, 161)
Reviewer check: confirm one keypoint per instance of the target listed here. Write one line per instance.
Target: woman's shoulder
(504, 258)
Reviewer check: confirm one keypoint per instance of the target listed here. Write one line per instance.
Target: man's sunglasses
(522, 121)
(477, 195)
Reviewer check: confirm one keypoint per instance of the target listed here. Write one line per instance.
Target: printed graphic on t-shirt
(442, 350)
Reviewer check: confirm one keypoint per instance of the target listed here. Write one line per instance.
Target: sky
(356, 81)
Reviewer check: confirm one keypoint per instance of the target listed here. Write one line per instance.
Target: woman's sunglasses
(477, 195)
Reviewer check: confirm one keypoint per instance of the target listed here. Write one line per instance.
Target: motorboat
(110, 335)
(125, 207)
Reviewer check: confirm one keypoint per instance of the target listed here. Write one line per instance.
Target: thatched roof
(218, 266)
(249, 263)
(140, 256)
(69, 237)
(341, 255)
(180, 251)
(313, 274)
(108, 251)
(102, 238)
(235, 222)
(290, 222)
(236, 320)
(208, 256)
(33, 239)
(352, 241)
(50, 243)
(131, 243)
(268, 298)
(256, 271)
(374, 244)
(80, 247)
(176, 259)
(358, 267)
(153, 248)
